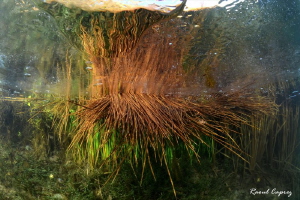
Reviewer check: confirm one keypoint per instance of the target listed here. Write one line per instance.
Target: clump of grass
(141, 107)
(130, 126)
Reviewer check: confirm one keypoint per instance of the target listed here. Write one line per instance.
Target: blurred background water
(241, 45)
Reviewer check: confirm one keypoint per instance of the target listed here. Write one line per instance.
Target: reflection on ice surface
(165, 6)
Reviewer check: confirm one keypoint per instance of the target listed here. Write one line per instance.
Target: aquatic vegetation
(141, 106)
(136, 100)
(119, 32)
(142, 103)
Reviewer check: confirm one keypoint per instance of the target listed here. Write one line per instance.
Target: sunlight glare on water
(165, 6)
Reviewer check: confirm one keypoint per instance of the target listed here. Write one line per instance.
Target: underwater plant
(142, 103)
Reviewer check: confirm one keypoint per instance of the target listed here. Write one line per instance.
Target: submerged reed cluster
(142, 103)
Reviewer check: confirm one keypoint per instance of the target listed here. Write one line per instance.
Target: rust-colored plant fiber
(145, 96)
(142, 95)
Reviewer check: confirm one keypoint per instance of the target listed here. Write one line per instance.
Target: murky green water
(88, 96)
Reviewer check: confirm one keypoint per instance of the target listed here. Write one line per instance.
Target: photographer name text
(273, 191)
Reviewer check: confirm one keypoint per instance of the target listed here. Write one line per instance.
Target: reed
(140, 107)
(272, 140)
(254, 139)
(288, 137)
(143, 105)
